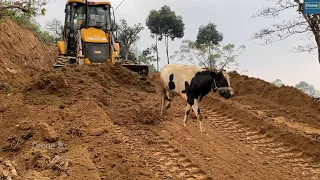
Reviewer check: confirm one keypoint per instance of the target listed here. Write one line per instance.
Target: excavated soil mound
(75, 109)
(22, 54)
(280, 101)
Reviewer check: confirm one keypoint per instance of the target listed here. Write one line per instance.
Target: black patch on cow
(220, 79)
(183, 91)
(198, 110)
(201, 85)
(171, 84)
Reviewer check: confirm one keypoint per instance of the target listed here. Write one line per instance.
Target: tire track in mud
(164, 160)
(264, 144)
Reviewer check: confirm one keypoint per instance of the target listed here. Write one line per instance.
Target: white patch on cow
(181, 73)
(226, 75)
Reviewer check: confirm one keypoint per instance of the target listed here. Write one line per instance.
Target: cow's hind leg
(187, 111)
(196, 109)
(168, 98)
(163, 99)
(166, 101)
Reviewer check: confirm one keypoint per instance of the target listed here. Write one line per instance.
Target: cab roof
(94, 3)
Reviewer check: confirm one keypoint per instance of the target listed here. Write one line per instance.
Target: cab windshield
(99, 16)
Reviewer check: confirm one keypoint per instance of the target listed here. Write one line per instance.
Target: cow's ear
(187, 86)
(213, 74)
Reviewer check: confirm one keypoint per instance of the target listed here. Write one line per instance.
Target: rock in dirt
(37, 159)
(25, 125)
(34, 175)
(48, 133)
(59, 163)
(3, 107)
(97, 132)
(7, 171)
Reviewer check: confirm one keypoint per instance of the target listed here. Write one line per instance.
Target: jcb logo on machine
(97, 52)
(97, 38)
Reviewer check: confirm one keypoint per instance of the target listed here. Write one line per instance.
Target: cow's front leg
(196, 109)
(187, 111)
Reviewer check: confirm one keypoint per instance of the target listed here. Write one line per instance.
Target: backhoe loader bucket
(142, 70)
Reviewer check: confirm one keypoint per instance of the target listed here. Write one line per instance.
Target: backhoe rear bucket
(143, 70)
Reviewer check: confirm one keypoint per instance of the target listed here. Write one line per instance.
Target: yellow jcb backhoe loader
(88, 36)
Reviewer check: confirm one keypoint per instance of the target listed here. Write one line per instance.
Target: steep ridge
(22, 54)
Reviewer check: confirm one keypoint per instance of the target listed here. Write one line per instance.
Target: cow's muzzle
(225, 92)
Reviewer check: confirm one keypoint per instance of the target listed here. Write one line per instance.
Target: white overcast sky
(233, 19)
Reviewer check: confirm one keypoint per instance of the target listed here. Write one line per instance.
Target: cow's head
(221, 83)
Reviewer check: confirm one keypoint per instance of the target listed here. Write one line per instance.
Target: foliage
(147, 58)
(209, 35)
(215, 57)
(164, 23)
(306, 24)
(128, 36)
(55, 28)
(28, 7)
(308, 89)
(131, 55)
(277, 82)
(30, 23)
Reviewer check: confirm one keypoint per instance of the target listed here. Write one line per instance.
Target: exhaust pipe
(87, 14)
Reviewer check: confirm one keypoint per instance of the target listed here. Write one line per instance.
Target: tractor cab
(100, 17)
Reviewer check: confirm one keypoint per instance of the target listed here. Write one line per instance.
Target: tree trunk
(157, 53)
(126, 54)
(166, 40)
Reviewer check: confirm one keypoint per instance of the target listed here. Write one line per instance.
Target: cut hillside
(22, 54)
(285, 101)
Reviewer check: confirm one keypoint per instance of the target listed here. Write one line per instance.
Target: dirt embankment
(22, 54)
(286, 100)
(77, 108)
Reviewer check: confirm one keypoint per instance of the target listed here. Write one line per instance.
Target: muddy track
(165, 161)
(264, 144)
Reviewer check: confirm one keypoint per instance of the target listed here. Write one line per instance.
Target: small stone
(48, 133)
(116, 141)
(3, 107)
(25, 125)
(97, 132)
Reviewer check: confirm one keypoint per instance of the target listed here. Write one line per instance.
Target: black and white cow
(192, 83)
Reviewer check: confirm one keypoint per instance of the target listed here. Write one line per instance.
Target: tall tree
(55, 27)
(128, 36)
(209, 35)
(154, 27)
(306, 25)
(207, 38)
(165, 24)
